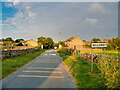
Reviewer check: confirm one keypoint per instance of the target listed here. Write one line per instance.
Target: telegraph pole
(59, 38)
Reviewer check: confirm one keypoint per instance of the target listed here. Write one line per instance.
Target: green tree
(43, 41)
(18, 40)
(62, 43)
(20, 44)
(57, 44)
(95, 40)
(50, 42)
(8, 39)
(2, 39)
(115, 43)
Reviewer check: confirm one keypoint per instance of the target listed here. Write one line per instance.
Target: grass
(80, 70)
(12, 64)
(114, 53)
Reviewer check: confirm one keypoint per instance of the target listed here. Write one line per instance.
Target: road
(45, 71)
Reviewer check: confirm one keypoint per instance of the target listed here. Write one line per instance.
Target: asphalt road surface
(45, 71)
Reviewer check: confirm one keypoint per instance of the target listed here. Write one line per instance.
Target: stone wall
(11, 53)
(88, 56)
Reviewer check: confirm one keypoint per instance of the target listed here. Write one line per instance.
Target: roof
(69, 39)
(27, 41)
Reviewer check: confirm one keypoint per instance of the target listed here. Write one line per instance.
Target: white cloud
(8, 4)
(28, 7)
(15, 3)
(91, 20)
(97, 8)
(31, 14)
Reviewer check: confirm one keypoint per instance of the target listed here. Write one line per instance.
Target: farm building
(74, 41)
(30, 43)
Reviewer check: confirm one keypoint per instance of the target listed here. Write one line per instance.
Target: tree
(50, 42)
(62, 43)
(9, 39)
(84, 40)
(18, 40)
(20, 44)
(95, 40)
(57, 44)
(115, 43)
(2, 39)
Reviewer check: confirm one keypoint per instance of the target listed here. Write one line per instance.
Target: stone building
(30, 43)
(74, 41)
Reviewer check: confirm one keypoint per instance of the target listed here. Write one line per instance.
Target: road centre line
(44, 71)
(41, 68)
(40, 76)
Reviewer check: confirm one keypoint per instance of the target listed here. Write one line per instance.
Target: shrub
(110, 69)
(64, 51)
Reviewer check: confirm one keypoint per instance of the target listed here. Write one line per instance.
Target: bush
(20, 44)
(64, 51)
(110, 69)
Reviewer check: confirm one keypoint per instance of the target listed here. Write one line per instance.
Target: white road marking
(45, 71)
(41, 68)
(40, 76)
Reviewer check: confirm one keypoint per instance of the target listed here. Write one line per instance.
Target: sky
(30, 20)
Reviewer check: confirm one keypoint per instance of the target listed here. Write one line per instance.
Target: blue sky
(30, 20)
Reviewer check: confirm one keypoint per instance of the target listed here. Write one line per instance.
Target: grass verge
(80, 70)
(12, 64)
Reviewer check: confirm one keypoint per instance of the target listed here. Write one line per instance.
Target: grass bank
(12, 64)
(80, 70)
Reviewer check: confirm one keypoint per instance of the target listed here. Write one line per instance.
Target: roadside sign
(99, 45)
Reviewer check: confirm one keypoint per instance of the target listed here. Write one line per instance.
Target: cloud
(91, 20)
(28, 7)
(48, 19)
(97, 8)
(31, 14)
(15, 3)
(8, 4)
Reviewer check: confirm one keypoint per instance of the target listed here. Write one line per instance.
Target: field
(114, 53)
(12, 64)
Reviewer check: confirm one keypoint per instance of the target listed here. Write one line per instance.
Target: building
(30, 43)
(74, 42)
(7, 43)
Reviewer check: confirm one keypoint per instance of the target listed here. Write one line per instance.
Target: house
(30, 43)
(74, 42)
(7, 43)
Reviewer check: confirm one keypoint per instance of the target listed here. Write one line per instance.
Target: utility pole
(107, 38)
(59, 38)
